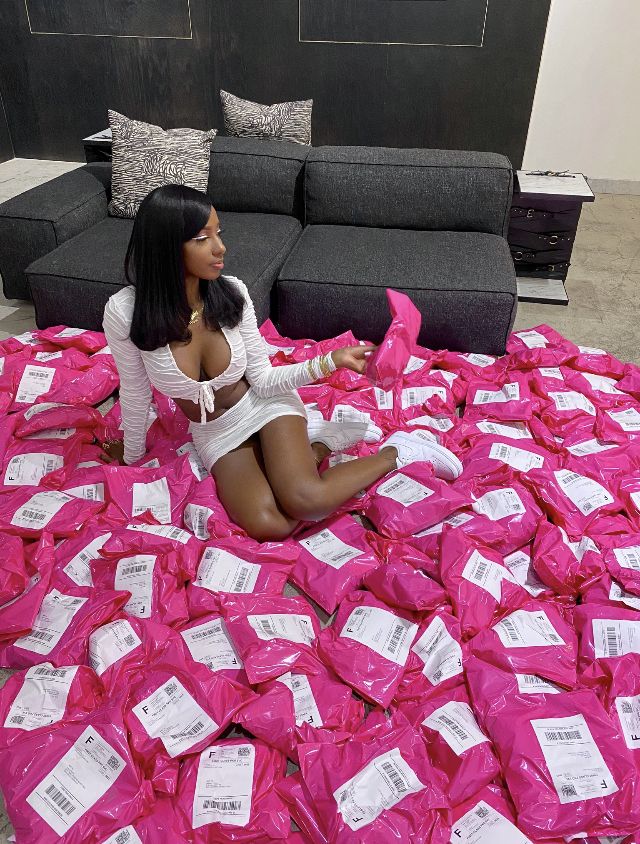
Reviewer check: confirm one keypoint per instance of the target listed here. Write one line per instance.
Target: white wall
(586, 110)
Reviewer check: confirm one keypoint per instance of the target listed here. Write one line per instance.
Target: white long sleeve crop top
(140, 370)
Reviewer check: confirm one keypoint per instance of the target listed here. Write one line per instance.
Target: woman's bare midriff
(224, 398)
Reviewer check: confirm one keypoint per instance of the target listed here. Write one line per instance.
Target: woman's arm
(135, 389)
(269, 380)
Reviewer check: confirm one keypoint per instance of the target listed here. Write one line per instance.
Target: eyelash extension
(204, 236)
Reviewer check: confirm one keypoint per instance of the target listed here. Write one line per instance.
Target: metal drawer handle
(554, 239)
(530, 213)
(518, 256)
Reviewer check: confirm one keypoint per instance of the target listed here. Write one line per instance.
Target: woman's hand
(114, 451)
(353, 357)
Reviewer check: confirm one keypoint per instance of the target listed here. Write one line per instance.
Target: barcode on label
(267, 627)
(223, 805)
(60, 800)
(170, 688)
(397, 780)
(563, 735)
(244, 575)
(123, 837)
(33, 515)
(449, 722)
(113, 763)
(134, 569)
(395, 639)
(612, 642)
(480, 571)
(192, 732)
(511, 630)
(40, 634)
(17, 719)
(50, 672)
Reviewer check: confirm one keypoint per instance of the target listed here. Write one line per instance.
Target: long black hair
(167, 217)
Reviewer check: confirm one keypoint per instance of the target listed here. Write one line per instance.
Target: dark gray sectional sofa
(316, 233)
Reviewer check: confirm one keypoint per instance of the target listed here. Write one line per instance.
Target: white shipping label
(614, 637)
(457, 725)
(455, 520)
(89, 492)
(602, 384)
(404, 490)
(635, 497)
(220, 571)
(79, 567)
(196, 517)
(617, 593)
(449, 377)
(483, 825)
(439, 423)
(155, 497)
(499, 503)
(39, 408)
(209, 643)
(173, 716)
(413, 364)
(35, 381)
(479, 360)
(486, 574)
(570, 400)
(126, 835)
(54, 617)
(166, 531)
(511, 430)
(628, 558)
(290, 626)
(330, 549)
(629, 714)
(224, 785)
(589, 350)
(30, 468)
(84, 774)
(441, 654)
(110, 643)
(197, 466)
(345, 413)
(28, 338)
(532, 339)
(44, 356)
(587, 495)
(382, 631)
(380, 785)
(304, 703)
(154, 463)
(519, 564)
(384, 400)
(42, 698)
(531, 684)
(629, 419)
(524, 629)
(592, 446)
(518, 458)
(70, 332)
(575, 763)
(412, 396)
(510, 392)
(135, 574)
(551, 372)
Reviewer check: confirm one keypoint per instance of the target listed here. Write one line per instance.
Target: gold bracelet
(311, 371)
(325, 366)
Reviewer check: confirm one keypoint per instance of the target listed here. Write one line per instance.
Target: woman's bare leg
(292, 471)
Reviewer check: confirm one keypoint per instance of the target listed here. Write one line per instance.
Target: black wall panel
(58, 86)
(6, 147)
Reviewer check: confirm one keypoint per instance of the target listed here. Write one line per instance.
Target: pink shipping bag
(157, 828)
(28, 510)
(566, 566)
(401, 586)
(367, 645)
(492, 453)
(307, 704)
(411, 499)
(379, 786)
(302, 809)
(28, 462)
(334, 556)
(457, 745)
(163, 492)
(18, 614)
(47, 415)
(606, 633)
(387, 364)
(622, 559)
(227, 793)
(76, 784)
(205, 516)
(532, 640)
(238, 566)
(481, 587)
(13, 571)
(74, 338)
(208, 642)
(43, 695)
(508, 400)
(270, 633)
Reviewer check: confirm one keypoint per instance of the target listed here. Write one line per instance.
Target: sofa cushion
(255, 174)
(463, 283)
(408, 188)
(284, 121)
(71, 285)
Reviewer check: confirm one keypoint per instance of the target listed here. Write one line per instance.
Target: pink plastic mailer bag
(163, 492)
(566, 566)
(367, 645)
(209, 643)
(74, 338)
(606, 633)
(76, 784)
(13, 574)
(18, 614)
(386, 366)
(29, 510)
(398, 584)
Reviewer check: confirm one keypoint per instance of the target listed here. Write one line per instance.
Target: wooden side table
(545, 212)
(98, 147)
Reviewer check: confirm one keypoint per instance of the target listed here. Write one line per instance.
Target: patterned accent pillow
(146, 156)
(284, 121)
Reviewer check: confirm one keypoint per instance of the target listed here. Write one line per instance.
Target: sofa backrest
(256, 174)
(384, 187)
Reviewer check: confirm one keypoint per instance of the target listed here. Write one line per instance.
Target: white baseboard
(621, 186)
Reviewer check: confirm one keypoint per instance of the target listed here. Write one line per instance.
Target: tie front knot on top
(206, 401)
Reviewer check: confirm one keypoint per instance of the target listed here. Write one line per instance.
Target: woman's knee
(266, 524)
(305, 501)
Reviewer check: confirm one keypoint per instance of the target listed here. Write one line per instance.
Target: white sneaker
(345, 413)
(415, 446)
(335, 435)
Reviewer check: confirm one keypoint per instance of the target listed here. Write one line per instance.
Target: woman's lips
(218, 266)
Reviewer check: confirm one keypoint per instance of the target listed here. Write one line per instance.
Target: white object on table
(561, 185)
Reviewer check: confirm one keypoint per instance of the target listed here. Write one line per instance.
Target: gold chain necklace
(195, 315)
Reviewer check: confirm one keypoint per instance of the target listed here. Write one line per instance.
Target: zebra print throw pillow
(146, 156)
(284, 121)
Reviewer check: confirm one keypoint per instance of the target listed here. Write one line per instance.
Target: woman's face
(203, 255)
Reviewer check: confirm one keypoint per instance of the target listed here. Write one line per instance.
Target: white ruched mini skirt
(219, 436)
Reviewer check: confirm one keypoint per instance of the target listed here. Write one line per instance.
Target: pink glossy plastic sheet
(28, 511)
(158, 827)
(19, 612)
(48, 415)
(13, 572)
(508, 400)
(74, 338)
(205, 516)
(565, 565)
(29, 462)
(387, 364)
(43, 696)
(76, 784)
(380, 786)
(163, 492)
(334, 557)
(411, 499)
(401, 585)
(270, 633)
(209, 804)
(209, 643)
(606, 633)
(367, 645)
(302, 809)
